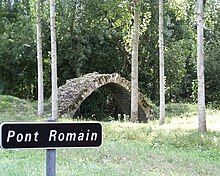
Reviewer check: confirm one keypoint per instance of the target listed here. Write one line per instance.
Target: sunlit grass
(175, 148)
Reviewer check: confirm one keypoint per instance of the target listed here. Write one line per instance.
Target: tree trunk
(54, 62)
(161, 58)
(134, 69)
(51, 153)
(40, 111)
(200, 68)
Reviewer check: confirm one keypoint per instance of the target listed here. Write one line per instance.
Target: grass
(15, 109)
(175, 148)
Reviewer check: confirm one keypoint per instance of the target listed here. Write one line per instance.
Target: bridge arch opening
(100, 105)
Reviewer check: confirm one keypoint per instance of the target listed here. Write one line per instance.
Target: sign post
(50, 135)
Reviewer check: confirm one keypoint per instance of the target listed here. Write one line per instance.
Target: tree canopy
(95, 36)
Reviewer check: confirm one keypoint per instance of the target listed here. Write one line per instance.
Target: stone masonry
(76, 90)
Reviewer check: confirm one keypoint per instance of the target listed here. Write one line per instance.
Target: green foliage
(96, 106)
(181, 70)
(180, 109)
(194, 90)
(96, 36)
(17, 51)
(212, 63)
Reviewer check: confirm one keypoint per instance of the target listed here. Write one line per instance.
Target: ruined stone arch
(75, 91)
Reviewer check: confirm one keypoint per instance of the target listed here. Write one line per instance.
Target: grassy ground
(175, 148)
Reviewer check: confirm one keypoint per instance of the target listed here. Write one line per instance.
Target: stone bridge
(76, 90)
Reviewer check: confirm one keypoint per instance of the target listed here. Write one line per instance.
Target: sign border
(45, 148)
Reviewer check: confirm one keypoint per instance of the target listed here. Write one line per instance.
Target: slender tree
(200, 68)
(40, 111)
(54, 62)
(161, 58)
(134, 69)
(51, 153)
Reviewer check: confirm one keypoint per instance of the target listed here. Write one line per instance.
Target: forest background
(95, 36)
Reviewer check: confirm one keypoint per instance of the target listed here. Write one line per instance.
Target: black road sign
(50, 135)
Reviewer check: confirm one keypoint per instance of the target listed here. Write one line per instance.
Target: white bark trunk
(40, 110)
(161, 58)
(200, 68)
(134, 69)
(54, 62)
